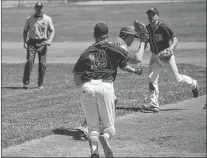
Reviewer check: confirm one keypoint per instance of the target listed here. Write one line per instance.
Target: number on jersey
(98, 60)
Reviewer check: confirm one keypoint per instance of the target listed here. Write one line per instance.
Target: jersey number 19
(98, 60)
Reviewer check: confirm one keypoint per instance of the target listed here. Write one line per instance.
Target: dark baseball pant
(32, 50)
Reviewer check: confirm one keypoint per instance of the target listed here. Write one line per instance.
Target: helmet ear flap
(123, 35)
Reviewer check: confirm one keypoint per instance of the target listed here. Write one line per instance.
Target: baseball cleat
(25, 87)
(94, 156)
(105, 144)
(196, 91)
(150, 108)
(83, 128)
(40, 87)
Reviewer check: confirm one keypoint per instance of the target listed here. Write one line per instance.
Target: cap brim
(150, 11)
(38, 6)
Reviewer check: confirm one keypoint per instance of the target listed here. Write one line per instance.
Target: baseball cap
(128, 30)
(100, 29)
(39, 5)
(153, 10)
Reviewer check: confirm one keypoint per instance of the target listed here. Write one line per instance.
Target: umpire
(40, 30)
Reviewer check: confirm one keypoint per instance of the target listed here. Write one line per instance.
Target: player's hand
(138, 71)
(48, 42)
(25, 45)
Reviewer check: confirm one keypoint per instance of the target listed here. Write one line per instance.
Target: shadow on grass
(68, 132)
(17, 87)
(138, 109)
(172, 109)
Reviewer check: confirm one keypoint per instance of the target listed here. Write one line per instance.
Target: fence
(25, 3)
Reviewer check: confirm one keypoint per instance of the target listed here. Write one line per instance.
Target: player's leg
(172, 70)
(84, 126)
(106, 107)
(31, 52)
(151, 102)
(89, 105)
(41, 66)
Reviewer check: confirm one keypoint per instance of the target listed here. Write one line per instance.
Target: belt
(98, 81)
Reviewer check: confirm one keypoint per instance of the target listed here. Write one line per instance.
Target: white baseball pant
(97, 100)
(155, 66)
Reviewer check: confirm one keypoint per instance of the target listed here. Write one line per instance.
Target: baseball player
(95, 71)
(36, 28)
(162, 42)
(124, 41)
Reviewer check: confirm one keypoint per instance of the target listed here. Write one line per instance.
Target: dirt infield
(178, 130)
(68, 52)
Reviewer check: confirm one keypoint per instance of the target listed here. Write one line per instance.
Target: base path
(178, 130)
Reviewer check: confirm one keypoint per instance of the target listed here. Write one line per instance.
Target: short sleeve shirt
(100, 61)
(38, 27)
(159, 37)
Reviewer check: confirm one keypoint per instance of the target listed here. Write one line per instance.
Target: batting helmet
(127, 30)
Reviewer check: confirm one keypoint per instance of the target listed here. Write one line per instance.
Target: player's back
(100, 61)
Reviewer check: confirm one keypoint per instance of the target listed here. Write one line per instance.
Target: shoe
(83, 128)
(105, 144)
(40, 87)
(196, 91)
(94, 156)
(25, 87)
(150, 108)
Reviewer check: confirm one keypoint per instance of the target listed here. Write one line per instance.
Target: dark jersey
(100, 61)
(159, 37)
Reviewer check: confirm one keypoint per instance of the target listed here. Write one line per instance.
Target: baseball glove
(165, 55)
(141, 31)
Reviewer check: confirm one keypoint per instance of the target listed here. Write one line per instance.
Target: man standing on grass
(39, 26)
(95, 71)
(162, 42)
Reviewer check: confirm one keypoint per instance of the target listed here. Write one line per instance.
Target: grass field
(75, 23)
(33, 113)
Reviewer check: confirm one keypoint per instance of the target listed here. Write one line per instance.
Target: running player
(97, 69)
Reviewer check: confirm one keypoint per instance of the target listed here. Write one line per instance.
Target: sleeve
(122, 55)
(78, 68)
(50, 25)
(168, 32)
(122, 65)
(26, 26)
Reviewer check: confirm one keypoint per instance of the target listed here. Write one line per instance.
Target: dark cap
(153, 10)
(39, 5)
(100, 29)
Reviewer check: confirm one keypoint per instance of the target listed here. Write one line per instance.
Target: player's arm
(78, 71)
(51, 29)
(77, 79)
(128, 69)
(25, 32)
(173, 41)
(131, 69)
